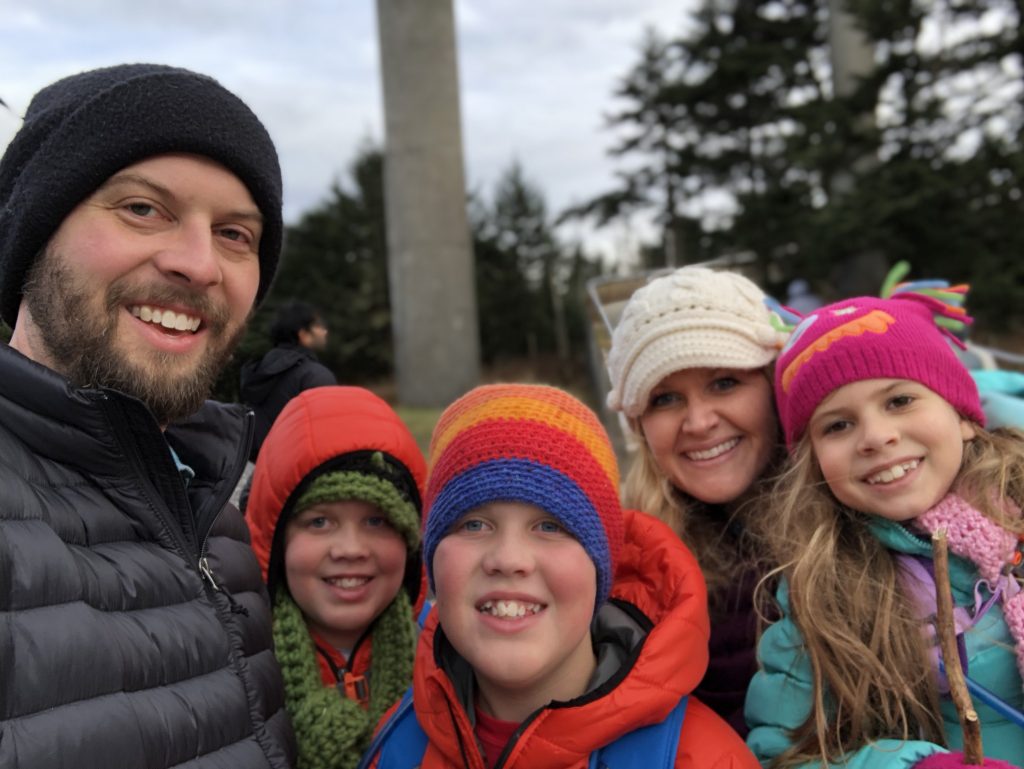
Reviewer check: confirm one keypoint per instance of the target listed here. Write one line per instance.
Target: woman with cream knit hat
(690, 368)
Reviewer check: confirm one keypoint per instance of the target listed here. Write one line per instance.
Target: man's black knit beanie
(80, 131)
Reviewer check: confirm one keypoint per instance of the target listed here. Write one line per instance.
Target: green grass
(420, 422)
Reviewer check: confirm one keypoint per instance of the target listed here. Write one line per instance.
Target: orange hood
(317, 426)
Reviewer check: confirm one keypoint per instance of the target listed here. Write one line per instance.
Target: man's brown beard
(81, 345)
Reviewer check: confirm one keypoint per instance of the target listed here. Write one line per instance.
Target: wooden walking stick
(969, 723)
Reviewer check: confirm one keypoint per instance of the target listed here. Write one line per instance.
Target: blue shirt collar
(187, 473)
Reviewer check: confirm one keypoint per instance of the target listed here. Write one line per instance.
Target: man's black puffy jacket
(134, 626)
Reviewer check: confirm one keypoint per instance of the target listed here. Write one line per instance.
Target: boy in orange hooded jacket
(335, 520)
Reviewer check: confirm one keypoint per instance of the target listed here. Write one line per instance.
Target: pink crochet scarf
(989, 547)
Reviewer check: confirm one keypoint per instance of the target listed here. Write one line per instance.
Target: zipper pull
(207, 574)
(356, 688)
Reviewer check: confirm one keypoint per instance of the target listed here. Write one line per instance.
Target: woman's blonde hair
(725, 548)
(872, 677)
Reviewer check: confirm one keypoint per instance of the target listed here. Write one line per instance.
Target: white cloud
(536, 78)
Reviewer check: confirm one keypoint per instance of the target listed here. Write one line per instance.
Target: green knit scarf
(333, 731)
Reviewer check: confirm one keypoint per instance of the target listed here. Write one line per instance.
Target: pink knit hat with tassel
(906, 334)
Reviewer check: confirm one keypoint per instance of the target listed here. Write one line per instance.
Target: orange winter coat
(316, 428)
(657, 621)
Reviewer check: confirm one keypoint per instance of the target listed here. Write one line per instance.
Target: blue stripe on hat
(520, 480)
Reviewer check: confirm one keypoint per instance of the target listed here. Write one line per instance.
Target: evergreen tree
(530, 289)
(515, 270)
(505, 302)
(948, 87)
(335, 258)
(921, 162)
(707, 122)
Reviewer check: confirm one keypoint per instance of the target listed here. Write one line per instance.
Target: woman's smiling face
(711, 432)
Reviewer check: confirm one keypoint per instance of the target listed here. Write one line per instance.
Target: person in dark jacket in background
(267, 384)
(140, 222)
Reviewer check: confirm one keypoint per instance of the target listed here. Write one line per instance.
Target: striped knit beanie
(871, 338)
(532, 444)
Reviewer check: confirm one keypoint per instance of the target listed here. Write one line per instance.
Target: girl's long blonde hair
(872, 677)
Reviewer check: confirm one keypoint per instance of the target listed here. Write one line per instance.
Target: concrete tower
(430, 255)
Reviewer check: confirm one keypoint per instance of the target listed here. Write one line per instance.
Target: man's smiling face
(147, 284)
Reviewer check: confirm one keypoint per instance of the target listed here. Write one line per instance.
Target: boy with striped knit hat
(563, 625)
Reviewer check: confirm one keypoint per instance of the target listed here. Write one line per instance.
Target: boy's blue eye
(472, 524)
(376, 521)
(551, 527)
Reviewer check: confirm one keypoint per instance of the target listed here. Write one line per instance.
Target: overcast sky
(537, 76)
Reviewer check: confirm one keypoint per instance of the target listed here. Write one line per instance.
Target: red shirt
(494, 735)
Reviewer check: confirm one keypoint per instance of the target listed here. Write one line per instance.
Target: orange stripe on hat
(532, 403)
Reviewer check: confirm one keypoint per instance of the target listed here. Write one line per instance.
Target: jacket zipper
(350, 686)
(156, 504)
(218, 506)
(515, 738)
(207, 574)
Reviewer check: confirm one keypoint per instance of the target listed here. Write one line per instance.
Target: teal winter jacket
(779, 697)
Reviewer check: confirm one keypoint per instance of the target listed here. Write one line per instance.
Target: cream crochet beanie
(692, 318)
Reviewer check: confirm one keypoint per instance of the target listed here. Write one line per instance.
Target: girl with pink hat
(887, 444)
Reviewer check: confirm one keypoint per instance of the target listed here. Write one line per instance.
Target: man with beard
(140, 223)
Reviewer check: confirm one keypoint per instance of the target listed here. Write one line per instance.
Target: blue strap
(402, 742)
(187, 473)
(422, 618)
(650, 747)
(990, 698)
